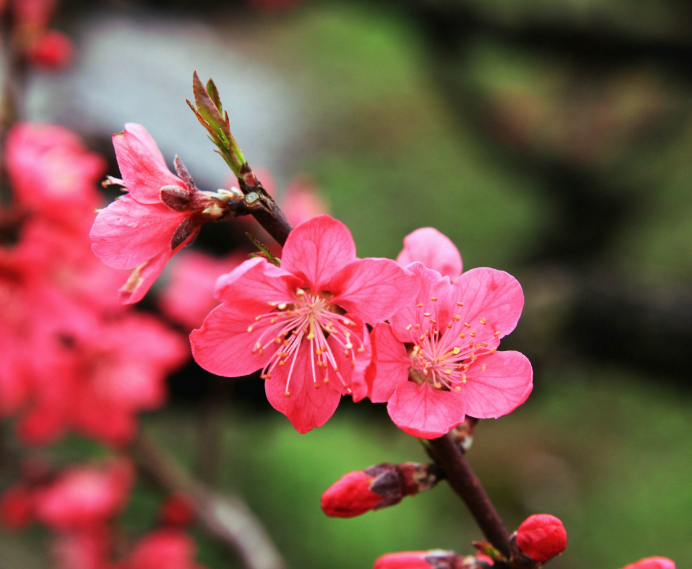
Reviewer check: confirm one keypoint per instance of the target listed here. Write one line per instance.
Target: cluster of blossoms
(80, 506)
(42, 47)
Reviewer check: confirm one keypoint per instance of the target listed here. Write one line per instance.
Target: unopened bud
(435, 559)
(177, 510)
(377, 487)
(652, 563)
(541, 537)
(51, 50)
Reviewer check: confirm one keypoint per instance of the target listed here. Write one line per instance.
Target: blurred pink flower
(85, 497)
(167, 548)
(17, 507)
(189, 294)
(434, 249)
(437, 361)
(302, 323)
(160, 214)
(106, 373)
(51, 50)
(434, 559)
(52, 173)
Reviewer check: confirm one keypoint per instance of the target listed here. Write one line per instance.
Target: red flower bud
(435, 559)
(350, 496)
(52, 50)
(177, 510)
(17, 507)
(652, 563)
(377, 487)
(541, 537)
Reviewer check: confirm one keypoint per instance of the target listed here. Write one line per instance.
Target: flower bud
(435, 559)
(177, 510)
(652, 563)
(52, 50)
(541, 537)
(377, 487)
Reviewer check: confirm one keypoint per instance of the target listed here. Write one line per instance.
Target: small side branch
(447, 454)
(226, 518)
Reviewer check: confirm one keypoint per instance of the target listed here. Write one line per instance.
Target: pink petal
(223, 344)
(432, 285)
(306, 407)
(317, 249)
(142, 169)
(354, 376)
(390, 361)
(257, 282)
(432, 248)
(492, 295)
(147, 141)
(422, 411)
(374, 289)
(141, 279)
(127, 233)
(505, 384)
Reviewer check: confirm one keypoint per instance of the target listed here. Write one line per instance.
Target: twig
(226, 518)
(447, 454)
(210, 434)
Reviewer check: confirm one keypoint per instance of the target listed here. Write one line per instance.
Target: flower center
(312, 318)
(444, 352)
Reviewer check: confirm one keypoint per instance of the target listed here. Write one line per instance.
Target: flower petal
(317, 249)
(374, 289)
(432, 285)
(422, 411)
(140, 280)
(257, 281)
(492, 295)
(354, 375)
(147, 141)
(306, 407)
(505, 384)
(142, 168)
(127, 233)
(224, 346)
(390, 363)
(432, 248)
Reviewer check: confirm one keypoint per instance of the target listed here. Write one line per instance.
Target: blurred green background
(548, 138)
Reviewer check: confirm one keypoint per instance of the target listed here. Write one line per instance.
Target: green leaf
(264, 252)
(208, 109)
(214, 94)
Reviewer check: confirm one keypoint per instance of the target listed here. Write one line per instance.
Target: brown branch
(226, 518)
(447, 454)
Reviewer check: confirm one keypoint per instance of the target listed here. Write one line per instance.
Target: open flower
(438, 360)
(160, 214)
(652, 563)
(302, 323)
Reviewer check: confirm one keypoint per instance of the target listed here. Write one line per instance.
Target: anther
(497, 334)
(462, 335)
(456, 350)
(287, 394)
(438, 385)
(457, 388)
(484, 344)
(484, 321)
(460, 304)
(409, 326)
(426, 314)
(492, 351)
(250, 329)
(448, 372)
(419, 305)
(483, 367)
(433, 298)
(282, 306)
(467, 325)
(325, 380)
(472, 334)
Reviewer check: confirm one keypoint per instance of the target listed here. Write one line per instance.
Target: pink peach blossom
(652, 563)
(438, 361)
(302, 323)
(160, 214)
(83, 549)
(434, 249)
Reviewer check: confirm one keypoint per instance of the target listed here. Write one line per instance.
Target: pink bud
(52, 50)
(541, 537)
(435, 559)
(350, 496)
(652, 563)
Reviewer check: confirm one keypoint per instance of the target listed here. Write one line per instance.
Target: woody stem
(448, 455)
